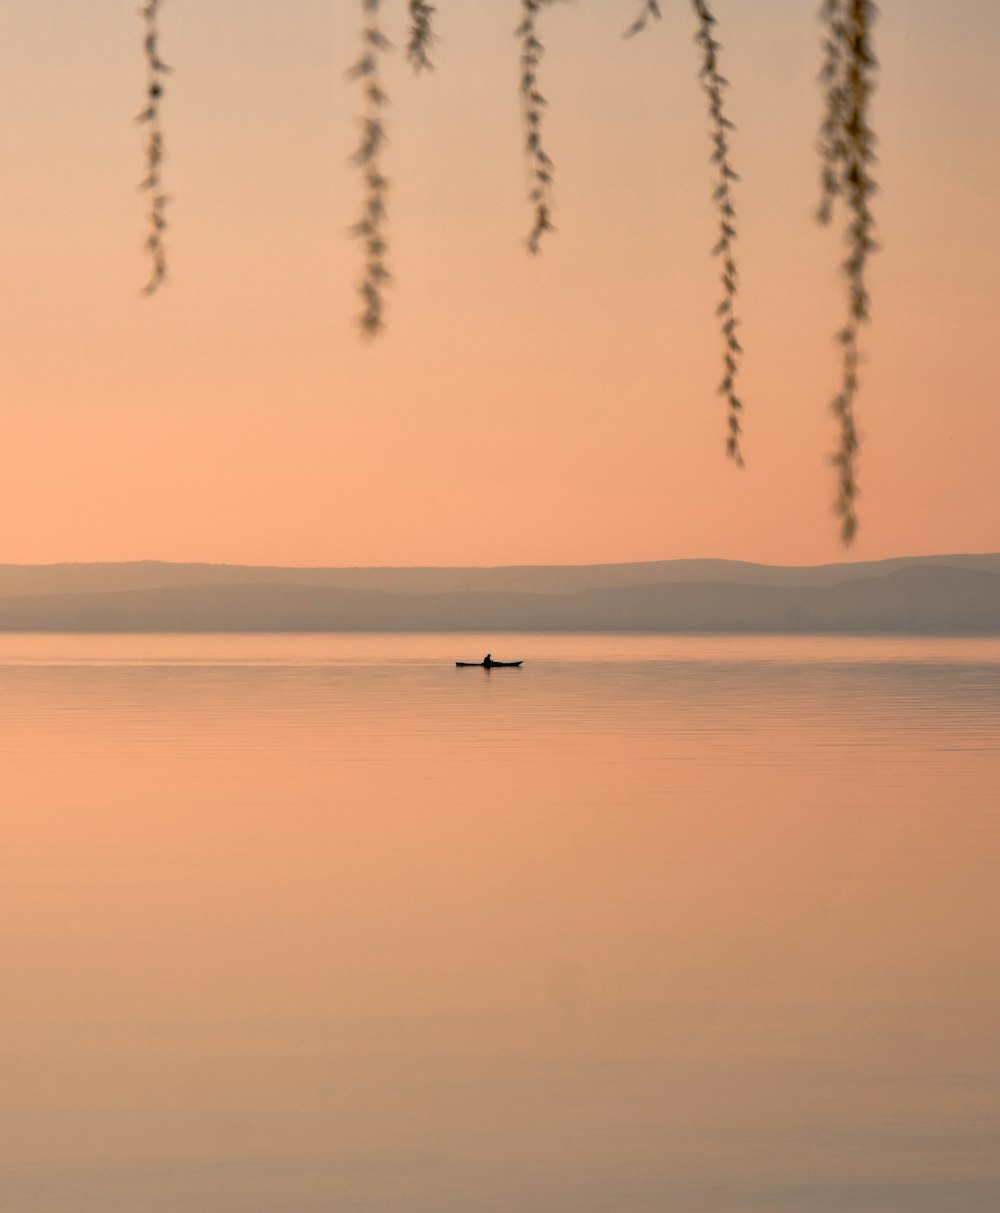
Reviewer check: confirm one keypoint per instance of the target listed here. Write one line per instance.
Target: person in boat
(488, 659)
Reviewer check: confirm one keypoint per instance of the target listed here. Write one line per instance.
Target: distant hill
(957, 594)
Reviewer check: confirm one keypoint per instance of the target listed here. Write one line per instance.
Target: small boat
(489, 665)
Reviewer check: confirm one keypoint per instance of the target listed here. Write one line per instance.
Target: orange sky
(554, 410)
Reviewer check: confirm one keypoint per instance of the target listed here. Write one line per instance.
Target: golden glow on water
(323, 922)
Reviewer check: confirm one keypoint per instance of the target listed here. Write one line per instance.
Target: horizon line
(152, 560)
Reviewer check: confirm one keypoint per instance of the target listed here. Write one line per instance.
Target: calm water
(321, 923)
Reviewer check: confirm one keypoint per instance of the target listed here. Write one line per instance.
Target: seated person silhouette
(488, 660)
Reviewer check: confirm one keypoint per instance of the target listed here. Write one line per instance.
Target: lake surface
(323, 923)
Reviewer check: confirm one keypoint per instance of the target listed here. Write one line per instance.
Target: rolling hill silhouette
(940, 595)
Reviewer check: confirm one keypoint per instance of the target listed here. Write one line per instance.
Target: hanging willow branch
(714, 84)
(830, 144)
(152, 184)
(370, 228)
(846, 145)
(421, 35)
(648, 10)
(532, 106)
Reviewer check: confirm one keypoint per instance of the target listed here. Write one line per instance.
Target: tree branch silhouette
(421, 35)
(370, 228)
(713, 82)
(847, 153)
(533, 103)
(152, 184)
(846, 147)
(648, 11)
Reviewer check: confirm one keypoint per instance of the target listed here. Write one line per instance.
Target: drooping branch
(830, 144)
(370, 228)
(649, 10)
(714, 84)
(533, 104)
(421, 37)
(846, 145)
(152, 183)
(847, 150)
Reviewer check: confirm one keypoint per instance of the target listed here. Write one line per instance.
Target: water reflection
(323, 922)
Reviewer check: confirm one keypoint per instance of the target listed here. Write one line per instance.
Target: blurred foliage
(846, 147)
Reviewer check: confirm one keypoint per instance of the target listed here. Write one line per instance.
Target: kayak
(492, 665)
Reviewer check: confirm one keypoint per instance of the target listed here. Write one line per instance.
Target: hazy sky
(558, 409)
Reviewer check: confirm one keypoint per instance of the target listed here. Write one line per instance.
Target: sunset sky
(560, 409)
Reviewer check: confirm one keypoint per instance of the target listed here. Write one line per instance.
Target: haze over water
(324, 923)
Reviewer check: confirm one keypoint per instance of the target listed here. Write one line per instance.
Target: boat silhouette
(488, 663)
